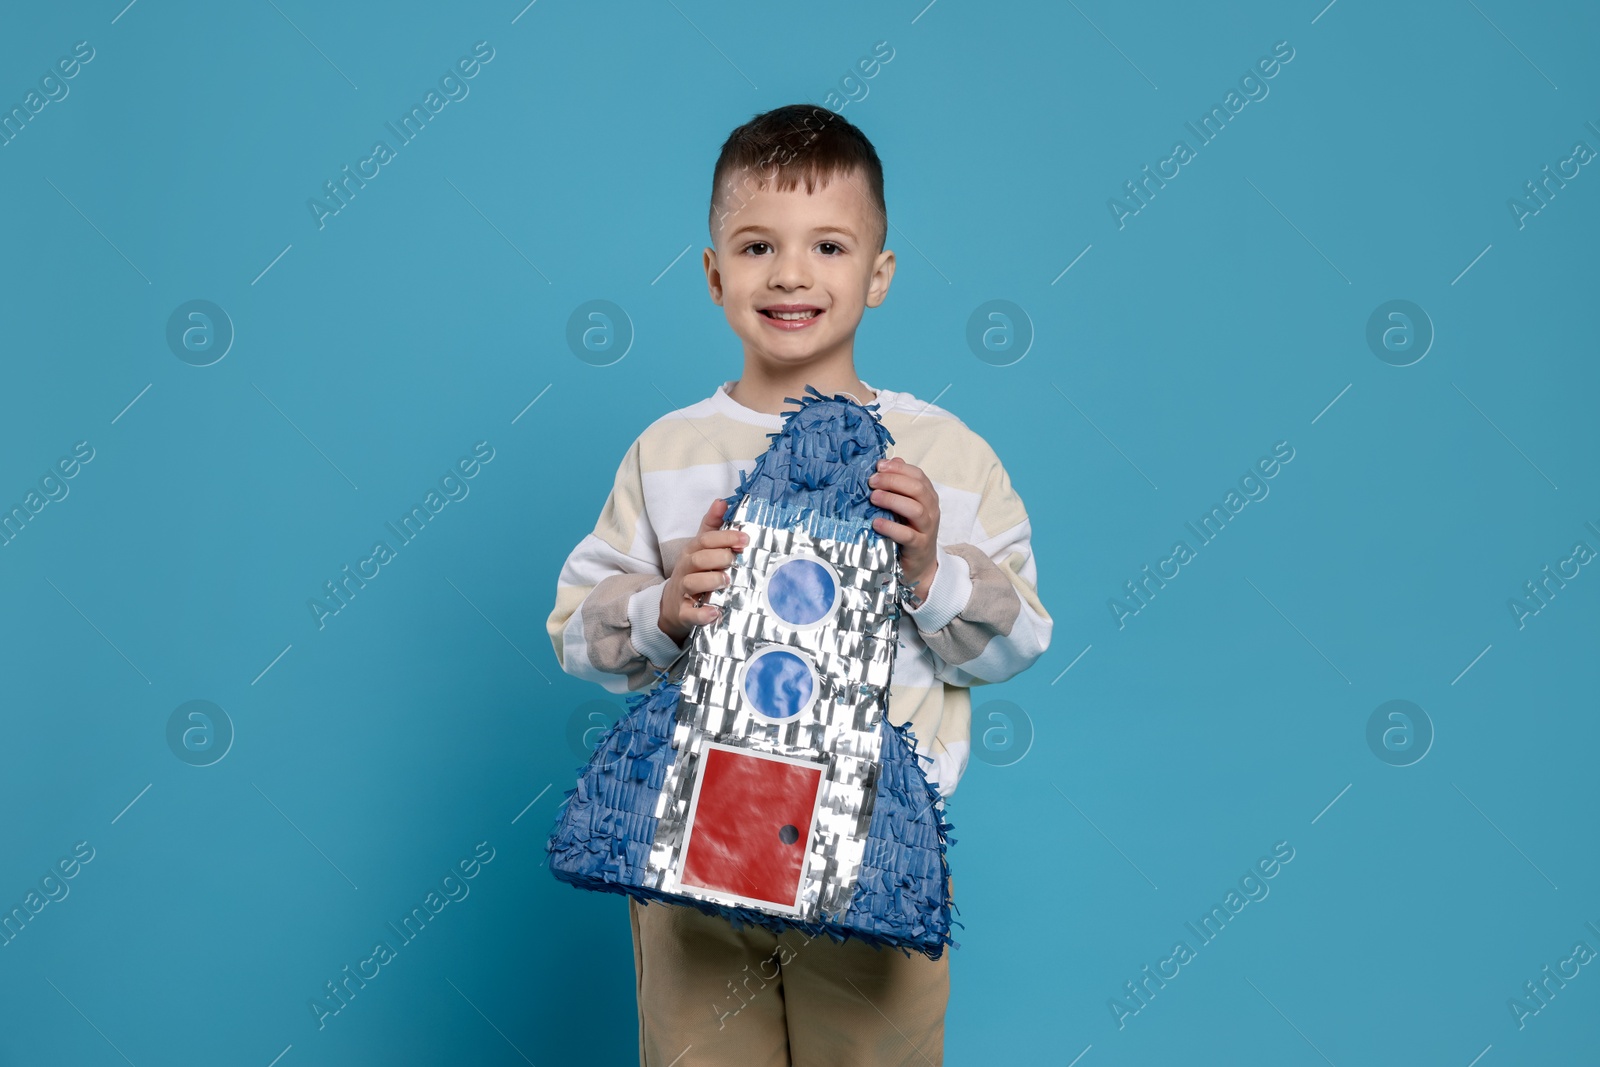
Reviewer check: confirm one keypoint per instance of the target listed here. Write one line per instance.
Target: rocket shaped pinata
(760, 778)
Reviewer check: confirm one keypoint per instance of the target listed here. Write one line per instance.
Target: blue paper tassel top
(814, 475)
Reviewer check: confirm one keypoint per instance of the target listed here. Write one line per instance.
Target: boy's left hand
(904, 489)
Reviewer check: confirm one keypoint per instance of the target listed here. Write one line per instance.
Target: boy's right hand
(701, 568)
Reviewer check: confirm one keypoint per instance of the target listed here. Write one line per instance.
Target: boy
(798, 227)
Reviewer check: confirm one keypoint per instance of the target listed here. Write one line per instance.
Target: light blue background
(429, 715)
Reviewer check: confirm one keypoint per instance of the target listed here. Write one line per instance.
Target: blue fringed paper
(874, 864)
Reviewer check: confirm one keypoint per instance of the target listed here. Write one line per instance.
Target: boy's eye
(756, 247)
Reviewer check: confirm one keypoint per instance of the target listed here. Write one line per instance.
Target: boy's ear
(882, 275)
(713, 276)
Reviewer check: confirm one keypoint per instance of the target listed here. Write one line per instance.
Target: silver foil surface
(852, 653)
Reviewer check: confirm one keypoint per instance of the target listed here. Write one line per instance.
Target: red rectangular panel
(751, 825)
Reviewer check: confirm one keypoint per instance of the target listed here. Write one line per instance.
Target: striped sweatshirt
(982, 621)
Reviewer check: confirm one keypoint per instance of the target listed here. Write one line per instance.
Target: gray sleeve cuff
(644, 617)
(947, 596)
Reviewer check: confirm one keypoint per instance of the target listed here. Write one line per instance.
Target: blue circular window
(802, 591)
(779, 683)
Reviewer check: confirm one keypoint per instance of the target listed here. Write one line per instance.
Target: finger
(894, 531)
(904, 484)
(713, 515)
(697, 614)
(734, 539)
(697, 582)
(697, 605)
(908, 508)
(902, 477)
(711, 559)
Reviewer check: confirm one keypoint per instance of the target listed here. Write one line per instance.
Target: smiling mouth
(790, 316)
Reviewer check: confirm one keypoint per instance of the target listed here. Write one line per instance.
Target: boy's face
(806, 250)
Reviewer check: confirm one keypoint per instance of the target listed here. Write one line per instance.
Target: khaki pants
(710, 994)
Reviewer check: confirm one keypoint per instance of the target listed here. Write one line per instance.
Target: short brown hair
(797, 143)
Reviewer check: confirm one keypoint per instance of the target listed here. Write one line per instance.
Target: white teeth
(791, 316)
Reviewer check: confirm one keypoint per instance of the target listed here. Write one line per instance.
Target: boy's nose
(789, 270)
